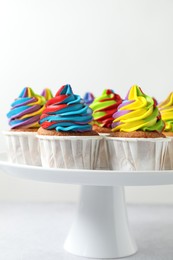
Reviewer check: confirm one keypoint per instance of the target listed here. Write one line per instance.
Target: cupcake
(137, 142)
(47, 94)
(24, 115)
(103, 108)
(88, 98)
(166, 110)
(66, 136)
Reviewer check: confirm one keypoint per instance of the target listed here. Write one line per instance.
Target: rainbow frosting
(166, 110)
(137, 112)
(66, 112)
(26, 110)
(47, 94)
(104, 107)
(88, 98)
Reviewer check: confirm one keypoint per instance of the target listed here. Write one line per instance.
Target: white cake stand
(100, 229)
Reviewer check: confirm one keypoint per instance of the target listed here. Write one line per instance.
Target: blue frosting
(76, 116)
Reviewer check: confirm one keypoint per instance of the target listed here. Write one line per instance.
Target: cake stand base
(100, 229)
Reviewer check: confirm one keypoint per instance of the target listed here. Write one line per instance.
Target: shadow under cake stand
(100, 228)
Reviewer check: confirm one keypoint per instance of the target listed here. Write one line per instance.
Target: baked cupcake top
(47, 93)
(166, 110)
(104, 107)
(66, 112)
(26, 110)
(138, 112)
(88, 98)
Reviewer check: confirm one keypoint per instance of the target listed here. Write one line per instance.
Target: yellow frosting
(166, 110)
(137, 112)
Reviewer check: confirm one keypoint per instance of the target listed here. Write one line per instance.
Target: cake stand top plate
(86, 177)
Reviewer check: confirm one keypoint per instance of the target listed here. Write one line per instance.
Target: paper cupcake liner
(72, 152)
(168, 163)
(137, 154)
(23, 148)
(103, 161)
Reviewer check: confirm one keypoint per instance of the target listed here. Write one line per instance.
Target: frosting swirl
(88, 98)
(137, 112)
(166, 110)
(47, 93)
(26, 110)
(104, 107)
(66, 112)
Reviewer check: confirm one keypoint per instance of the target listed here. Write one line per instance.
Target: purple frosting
(27, 121)
(125, 103)
(29, 110)
(24, 103)
(120, 113)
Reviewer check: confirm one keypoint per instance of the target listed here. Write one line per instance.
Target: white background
(92, 45)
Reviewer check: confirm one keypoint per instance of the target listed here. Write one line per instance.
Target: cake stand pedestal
(100, 229)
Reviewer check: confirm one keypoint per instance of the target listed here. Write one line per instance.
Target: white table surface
(37, 231)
